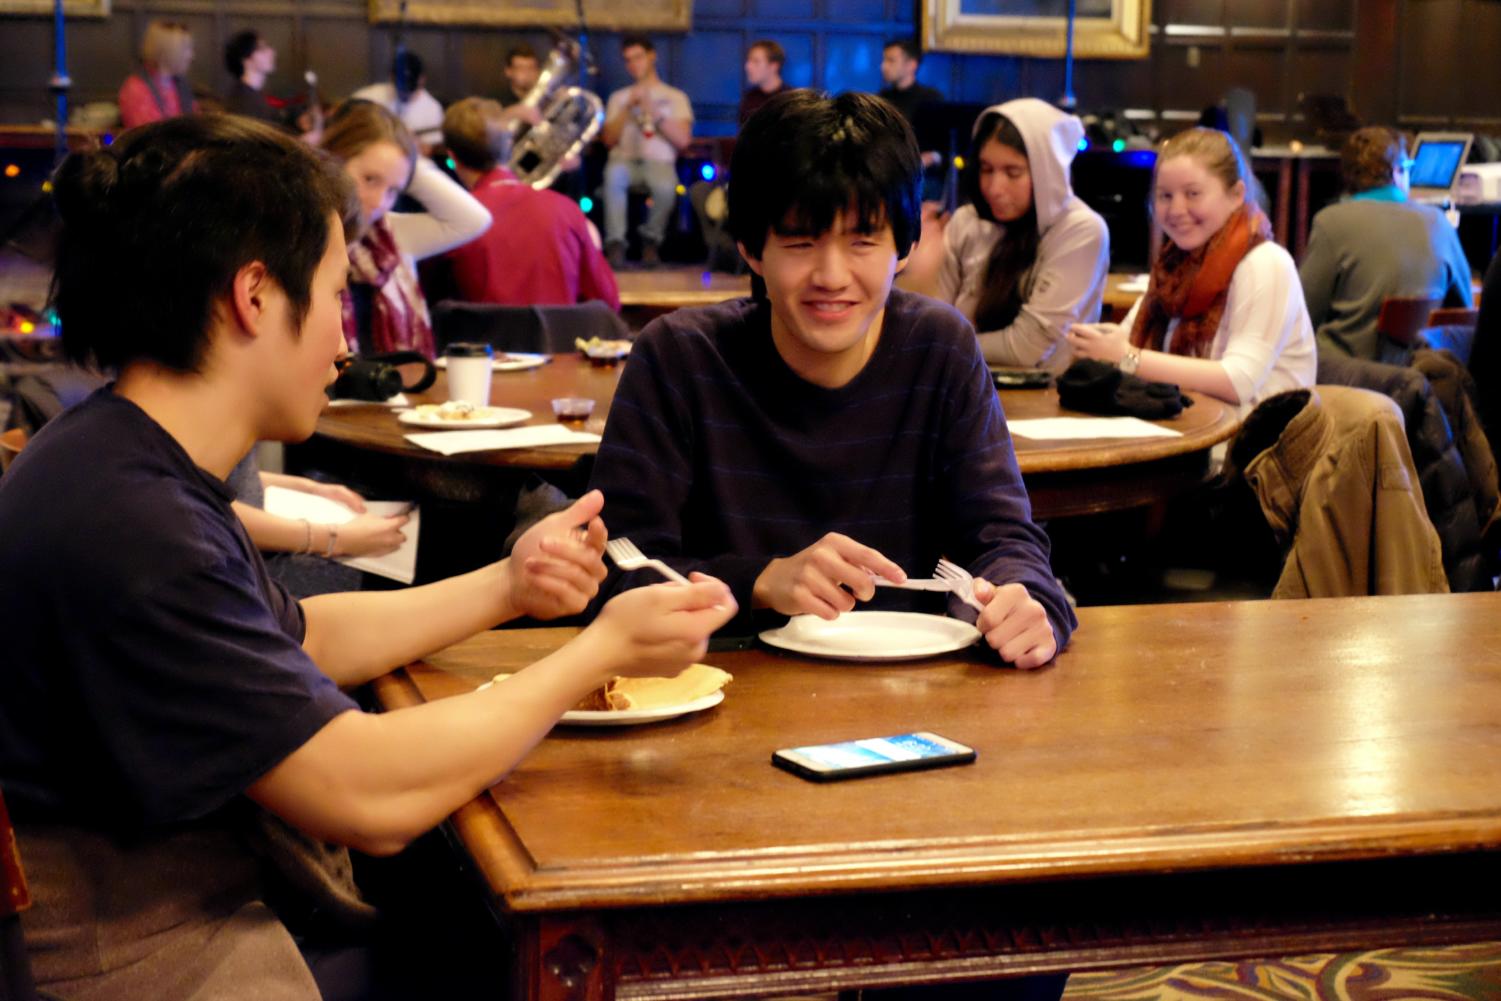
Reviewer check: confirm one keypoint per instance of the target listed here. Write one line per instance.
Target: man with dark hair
(157, 688)
(407, 98)
(1375, 244)
(522, 70)
(249, 60)
(646, 126)
(763, 72)
(799, 445)
(540, 250)
(900, 61)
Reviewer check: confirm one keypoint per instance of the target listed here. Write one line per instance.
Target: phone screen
(873, 755)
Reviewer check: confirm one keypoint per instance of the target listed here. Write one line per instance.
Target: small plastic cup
(572, 409)
(469, 372)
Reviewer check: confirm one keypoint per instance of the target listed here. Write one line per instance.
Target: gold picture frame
(603, 15)
(71, 8)
(1103, 29)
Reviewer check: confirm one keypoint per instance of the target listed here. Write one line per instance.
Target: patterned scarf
(398, 319)
(1192, 285)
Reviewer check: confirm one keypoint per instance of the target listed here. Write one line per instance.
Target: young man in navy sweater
(792, 445)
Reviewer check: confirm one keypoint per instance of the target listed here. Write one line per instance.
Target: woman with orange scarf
(1224, 312)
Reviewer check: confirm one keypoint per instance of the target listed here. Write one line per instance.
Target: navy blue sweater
(718, 457)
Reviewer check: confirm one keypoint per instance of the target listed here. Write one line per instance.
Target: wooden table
(1063, 478)
(1187, 782)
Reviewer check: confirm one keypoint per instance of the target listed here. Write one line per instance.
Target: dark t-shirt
(913, 100)
(718, 457)
(150, 670)
(753, 100)
(246, 100)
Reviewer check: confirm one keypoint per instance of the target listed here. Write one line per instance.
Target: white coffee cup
(469, 372)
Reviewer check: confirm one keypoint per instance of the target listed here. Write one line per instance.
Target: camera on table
(377, 377)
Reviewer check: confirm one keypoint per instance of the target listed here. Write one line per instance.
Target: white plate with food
(507, 361)
(457, 414)
(873, 636)
(597, 349)
(633, 701)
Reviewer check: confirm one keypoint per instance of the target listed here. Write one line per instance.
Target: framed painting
(1103, 29)
(604, 15)
(71, 8)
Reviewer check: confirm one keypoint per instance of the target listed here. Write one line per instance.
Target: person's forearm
(274, 534)
(375, 782)
(1204, 375)
(358, 636)
(283, 480)
(677, 131)
(610, 134)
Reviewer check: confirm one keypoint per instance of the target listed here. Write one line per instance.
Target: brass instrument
(571, 117)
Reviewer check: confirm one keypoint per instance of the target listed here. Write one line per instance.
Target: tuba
(571, 116)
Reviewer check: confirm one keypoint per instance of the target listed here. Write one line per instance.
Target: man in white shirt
(406, 97)
(646, 125)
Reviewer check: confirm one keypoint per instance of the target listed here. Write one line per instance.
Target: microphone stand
(1068, 102)
(587, 66)
(60, 83)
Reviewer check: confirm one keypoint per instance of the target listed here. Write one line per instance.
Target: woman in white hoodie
(1024, 258)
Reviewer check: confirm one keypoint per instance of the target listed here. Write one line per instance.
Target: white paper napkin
(532, 436)
(1069, 428)
(399, 400)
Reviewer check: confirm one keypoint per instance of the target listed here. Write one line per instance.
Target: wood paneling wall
(1419, 62)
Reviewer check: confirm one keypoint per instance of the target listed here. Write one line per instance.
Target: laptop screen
(1436, 162)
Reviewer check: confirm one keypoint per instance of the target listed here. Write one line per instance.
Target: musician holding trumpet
(646, 125)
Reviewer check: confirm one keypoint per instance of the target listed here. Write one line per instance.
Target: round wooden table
(1063, 477)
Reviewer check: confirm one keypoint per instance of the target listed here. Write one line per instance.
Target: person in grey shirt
(1375, 244)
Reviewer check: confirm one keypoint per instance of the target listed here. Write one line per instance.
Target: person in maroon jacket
(540, 250)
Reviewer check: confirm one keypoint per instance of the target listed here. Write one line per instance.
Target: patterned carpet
(1456, 973)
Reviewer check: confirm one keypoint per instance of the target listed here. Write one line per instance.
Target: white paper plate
(873, 636)
(487, 417)
(633, 717)
(513, 361)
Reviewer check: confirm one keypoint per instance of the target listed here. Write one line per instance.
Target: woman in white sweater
(381, 158)
(1224, 311)
(1024, 258)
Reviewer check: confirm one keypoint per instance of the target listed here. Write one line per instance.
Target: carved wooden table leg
(563, 960)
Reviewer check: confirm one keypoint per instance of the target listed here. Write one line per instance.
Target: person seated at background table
(794, 445)
(646, 126)
(1376, 244)
(900, 60)
(1024, 258)
(159, 89)
(155, 682)
(539, 251)
(522, 70)
(1223, 313)
(763, 75)
(384, 309)
(405, 95)
(250, 60)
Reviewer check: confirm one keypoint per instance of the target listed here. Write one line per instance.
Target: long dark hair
(1016, 251)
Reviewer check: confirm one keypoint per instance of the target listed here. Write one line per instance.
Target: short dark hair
(406, 70)
(805, 157)
(521, 50)
(907, 45)
(155, 228)
(637, 39)
(1369, 156)
(240, 47)
(774, 52)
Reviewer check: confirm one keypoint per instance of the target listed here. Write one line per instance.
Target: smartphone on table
(851, 759)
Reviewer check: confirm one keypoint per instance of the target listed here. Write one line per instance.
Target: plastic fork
(961, 582)
(628, 556)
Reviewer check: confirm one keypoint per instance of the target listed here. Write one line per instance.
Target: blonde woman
(1224, 312)
(159, 89)
(385, 309)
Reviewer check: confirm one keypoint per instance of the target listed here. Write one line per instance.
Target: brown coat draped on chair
(1334, 477)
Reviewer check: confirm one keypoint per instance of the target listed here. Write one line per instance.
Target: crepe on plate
(694, 682)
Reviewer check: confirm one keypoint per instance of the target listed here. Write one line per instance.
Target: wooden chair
(11, 443)
(1401, 318)
(16, 983)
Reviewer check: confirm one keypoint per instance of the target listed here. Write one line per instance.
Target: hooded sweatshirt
(1067, 281)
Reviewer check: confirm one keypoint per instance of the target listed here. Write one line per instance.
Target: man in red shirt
(540, 250)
